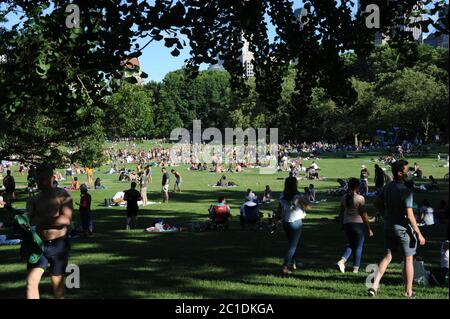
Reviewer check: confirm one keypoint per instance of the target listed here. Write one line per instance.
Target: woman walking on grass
(356, 222)
(292, 207)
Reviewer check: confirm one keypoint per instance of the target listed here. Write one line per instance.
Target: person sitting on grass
(251, 196)
(218, 169)
(312, 193)
(118, 199)
(133, 176)
(307, 192)
(249, 211)
(220, 212)
(75, 184)
(315, 166)
(267, 197)
(426, 213)
(98, 184)
(222, 182)
(123, 177)
(312, 174)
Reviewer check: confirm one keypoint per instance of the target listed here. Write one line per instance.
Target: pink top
(352, 213)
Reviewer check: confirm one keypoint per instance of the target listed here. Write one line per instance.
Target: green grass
(115, 263)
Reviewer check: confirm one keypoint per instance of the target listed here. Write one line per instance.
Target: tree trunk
(426, 125)
(356, 139)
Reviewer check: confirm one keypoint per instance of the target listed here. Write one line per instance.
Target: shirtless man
(51, 212)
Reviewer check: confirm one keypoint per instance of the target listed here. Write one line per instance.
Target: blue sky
(156, 59)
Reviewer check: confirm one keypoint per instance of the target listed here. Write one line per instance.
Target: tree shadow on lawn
(208, 264)
(156, 264)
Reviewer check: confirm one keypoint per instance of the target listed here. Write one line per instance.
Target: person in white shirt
(292, 210)
(426, 214)
(315, 166)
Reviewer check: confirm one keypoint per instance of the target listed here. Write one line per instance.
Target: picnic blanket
(214, 185)
(162, 226)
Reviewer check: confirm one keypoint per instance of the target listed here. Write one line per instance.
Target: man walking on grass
(51, 212)
(400, 228)
(132, 197)
(165, 185)
(177, 185)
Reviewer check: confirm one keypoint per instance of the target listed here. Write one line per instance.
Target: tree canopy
(55, 82)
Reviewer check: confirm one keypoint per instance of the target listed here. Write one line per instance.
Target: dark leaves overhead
(65, 74)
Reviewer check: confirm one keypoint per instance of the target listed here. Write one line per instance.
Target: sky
(156, 59)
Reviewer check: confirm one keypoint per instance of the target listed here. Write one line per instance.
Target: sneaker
(371, 292)
(286, 271)
(297, 265)
(341, 266)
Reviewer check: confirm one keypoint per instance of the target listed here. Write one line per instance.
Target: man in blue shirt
(401, 229)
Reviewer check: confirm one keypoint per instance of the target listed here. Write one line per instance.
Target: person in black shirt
(379, 178)
(165, 185)
(132, 197)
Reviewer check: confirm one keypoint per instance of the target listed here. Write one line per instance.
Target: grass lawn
(116, 263)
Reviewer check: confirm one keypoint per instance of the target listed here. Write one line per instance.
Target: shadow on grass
(236, 264)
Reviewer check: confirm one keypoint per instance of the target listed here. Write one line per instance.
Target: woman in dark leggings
(356, 224)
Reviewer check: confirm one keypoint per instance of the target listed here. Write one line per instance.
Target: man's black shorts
(132, 213)
(55, 256)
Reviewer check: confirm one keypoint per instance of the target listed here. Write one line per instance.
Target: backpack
(421, 274)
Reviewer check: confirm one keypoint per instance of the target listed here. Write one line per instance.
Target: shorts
(400, 236)
(165, 188)
(178, 183)
(55, 256)
(132, 213)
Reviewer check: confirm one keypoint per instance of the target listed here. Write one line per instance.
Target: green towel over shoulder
(32, 245)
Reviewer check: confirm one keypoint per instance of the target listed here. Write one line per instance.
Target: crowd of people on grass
(394, 199)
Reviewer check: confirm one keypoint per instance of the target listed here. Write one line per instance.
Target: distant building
(247, 59)
(437, 39)
(416, 30)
